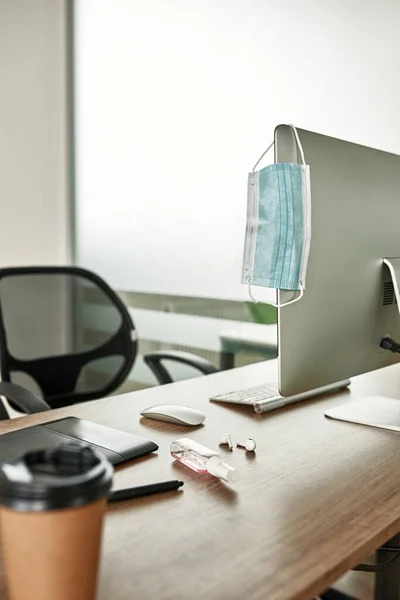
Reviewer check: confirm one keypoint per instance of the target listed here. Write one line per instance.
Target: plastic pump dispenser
(202, 459)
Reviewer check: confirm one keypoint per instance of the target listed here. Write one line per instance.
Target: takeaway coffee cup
(52, 505)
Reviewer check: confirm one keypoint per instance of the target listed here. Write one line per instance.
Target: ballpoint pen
(144, 490)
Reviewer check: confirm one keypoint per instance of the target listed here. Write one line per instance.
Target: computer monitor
(334, 332)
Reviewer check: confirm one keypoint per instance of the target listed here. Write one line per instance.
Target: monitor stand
(374, 411)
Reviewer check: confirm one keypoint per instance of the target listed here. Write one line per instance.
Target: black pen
(144, 490)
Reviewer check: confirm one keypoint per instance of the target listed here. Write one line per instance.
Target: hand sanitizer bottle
(202, 459)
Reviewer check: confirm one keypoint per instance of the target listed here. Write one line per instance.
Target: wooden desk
(248, 337)
(313, 501)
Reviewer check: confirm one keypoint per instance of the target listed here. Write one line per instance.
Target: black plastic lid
(68, 476)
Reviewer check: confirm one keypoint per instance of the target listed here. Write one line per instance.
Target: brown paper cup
(52, 555)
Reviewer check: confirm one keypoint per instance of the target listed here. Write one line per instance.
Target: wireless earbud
(249, 444)
(226, 440)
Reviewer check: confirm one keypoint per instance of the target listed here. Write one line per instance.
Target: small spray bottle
(202, 459)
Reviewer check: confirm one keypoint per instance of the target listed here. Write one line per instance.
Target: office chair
(64, 335)
(57, 324)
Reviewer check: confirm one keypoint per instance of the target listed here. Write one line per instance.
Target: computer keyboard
(251, 395)
(266, 397)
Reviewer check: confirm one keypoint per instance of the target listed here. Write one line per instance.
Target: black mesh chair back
(64, 334)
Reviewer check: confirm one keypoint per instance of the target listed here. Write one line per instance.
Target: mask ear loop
(272, 303)
(300, 147)
(263, 154)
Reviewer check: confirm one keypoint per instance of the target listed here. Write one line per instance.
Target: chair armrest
(153, 361)
(24, 399)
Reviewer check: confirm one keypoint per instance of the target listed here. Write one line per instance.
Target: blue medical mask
(278, 228)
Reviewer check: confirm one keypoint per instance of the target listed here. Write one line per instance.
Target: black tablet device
(118, 446)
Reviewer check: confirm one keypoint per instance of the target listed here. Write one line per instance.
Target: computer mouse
(174, 413)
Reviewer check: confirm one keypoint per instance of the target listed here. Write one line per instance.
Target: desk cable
(388, 344)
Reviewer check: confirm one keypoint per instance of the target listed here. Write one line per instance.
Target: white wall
(34, 227)
(177, 99)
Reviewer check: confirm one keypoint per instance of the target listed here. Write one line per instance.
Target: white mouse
(173, 413)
